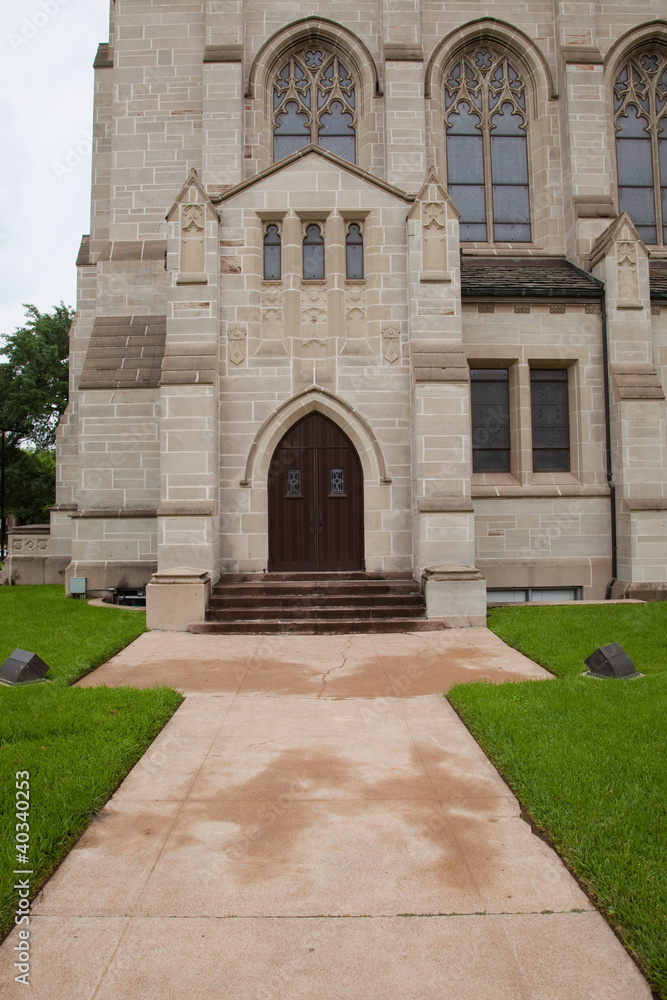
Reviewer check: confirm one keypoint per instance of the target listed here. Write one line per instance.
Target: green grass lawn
(77, 744)
(588, 758)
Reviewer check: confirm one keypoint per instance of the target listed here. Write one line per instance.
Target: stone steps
(316, 603)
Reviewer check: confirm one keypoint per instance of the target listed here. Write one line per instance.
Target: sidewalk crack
(340, 666)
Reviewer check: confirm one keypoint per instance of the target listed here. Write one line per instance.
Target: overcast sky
(46, 97)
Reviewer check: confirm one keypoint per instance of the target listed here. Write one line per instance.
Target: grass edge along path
(587, 759)
(75, 744)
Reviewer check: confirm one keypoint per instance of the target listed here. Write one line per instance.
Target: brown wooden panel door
(315, 500)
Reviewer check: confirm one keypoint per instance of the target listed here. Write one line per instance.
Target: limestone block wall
(339, 344)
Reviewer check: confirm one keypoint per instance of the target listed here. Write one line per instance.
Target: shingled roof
(658, 272)
(124, 352)
(526, 277)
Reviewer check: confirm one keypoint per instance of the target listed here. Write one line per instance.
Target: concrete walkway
(315, 822)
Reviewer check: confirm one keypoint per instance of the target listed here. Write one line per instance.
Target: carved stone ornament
(434, 216)
(192, 220)
(626, 262)
(236, 340)
(391, 348)
(434, 236)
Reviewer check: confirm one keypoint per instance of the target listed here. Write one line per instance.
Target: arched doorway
(316, 509)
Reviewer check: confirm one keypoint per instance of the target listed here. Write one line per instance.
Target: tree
(35, 376)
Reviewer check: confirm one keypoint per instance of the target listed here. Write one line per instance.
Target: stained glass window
(640, 115)
(487, 150)
(314, 101)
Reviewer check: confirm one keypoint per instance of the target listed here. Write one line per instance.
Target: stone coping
(645, 503)
(451, 571)
(443, 505)
(30, 529)
(104, 514)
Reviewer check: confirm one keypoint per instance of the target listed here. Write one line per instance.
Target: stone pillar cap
(181, 574)
(451, 571)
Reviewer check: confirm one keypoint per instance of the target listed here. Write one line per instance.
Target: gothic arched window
(640, 117)
(272, 248)
(487, 151)
(313, 252)
(354, 252)
(314, 102)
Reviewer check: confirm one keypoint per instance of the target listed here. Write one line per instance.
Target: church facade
(376, 286)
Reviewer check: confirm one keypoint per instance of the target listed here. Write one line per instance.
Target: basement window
(526, 595)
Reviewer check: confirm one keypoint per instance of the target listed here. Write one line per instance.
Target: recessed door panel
(315, 500)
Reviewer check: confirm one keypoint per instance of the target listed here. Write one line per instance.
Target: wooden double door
(316, 514)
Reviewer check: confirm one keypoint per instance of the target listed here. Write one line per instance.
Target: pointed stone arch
(314, 29)
(493, 30)
(337, 410)
(643, 34)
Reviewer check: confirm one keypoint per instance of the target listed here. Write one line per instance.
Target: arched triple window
(272, 253)
(640, 117)
(486, 123)
(314, 101)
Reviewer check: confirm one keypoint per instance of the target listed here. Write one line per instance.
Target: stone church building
(375, 287)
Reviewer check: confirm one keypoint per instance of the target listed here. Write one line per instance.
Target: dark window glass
(490, 420)
(313, 252)
(272, 254)
(336, 132)
(487, 149)
(640, 95)
(354, 252)
(551, 420)
(291, 131)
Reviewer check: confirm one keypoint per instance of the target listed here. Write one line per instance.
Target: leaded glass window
(293, 482)
(337, 482)
(551, 420)
(640, 115)
(313, 252)
(272, 248)
(490, 420)
(487, 148)
(314, 101)
(354, 252)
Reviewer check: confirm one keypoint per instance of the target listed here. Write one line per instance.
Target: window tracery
(640, 117)
(486, 123)
(314, 101)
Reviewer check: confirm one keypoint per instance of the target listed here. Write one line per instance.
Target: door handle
(311, 520)
(320, 520)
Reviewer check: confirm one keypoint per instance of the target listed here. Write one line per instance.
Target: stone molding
(645, 503)
(104, 514)
(104, 56)
(637, 381)
(584, 54)
(124, 352)
(403, 53)
(223, 54)
(451, 571)
(542, 491)
(436, 362)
